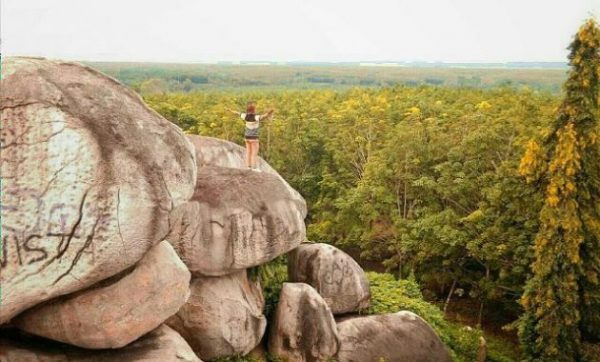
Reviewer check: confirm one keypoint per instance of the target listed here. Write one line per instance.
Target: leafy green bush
(272, 275)
(389, 295)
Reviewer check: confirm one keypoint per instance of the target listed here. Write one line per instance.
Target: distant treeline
(150, 78)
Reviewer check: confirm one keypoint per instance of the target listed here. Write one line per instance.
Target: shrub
(389, 295)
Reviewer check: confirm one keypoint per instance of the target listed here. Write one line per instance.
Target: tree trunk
(449, 296)
(480, 316)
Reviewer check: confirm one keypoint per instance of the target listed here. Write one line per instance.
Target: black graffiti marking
(26, 252)
(87, 243)
(18, 139)
(4, 260)
(62, 251)
(18, 249)
(329, 276)
(63, 244)
(42, 251)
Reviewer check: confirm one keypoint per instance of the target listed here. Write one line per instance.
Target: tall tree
(562, 298)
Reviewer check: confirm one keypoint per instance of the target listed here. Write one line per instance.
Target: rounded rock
(334, 274)
(160, 345)
(223, 316)
(235, 220)
(303, 327)
(396, 337)
(89, 176)
(119, 310)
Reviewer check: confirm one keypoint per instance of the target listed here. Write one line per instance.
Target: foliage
(562, 299)
(389, 295)
(271, 275)
(422, 179)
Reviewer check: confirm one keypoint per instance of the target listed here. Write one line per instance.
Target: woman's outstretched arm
(267, 116)
(233, 111)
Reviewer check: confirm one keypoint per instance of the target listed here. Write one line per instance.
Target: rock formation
(303, 328)
(116, 311)
(108, 212)
(397, 337)
(236, 219)
(334, 274)
(161, 345)
(89, 176)
(223, 316)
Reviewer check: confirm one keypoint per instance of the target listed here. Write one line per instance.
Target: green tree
(562, 298)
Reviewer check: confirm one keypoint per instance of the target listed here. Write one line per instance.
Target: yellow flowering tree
(562, 298)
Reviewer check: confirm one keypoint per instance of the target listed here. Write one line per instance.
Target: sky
(293, 30)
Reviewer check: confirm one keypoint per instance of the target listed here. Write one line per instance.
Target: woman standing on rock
(251, 132)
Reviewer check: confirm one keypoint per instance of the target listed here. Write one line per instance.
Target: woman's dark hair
(251, 107)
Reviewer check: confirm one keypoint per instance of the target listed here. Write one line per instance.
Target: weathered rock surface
(397, 337)
(236, 219)
(334, 274)
(217, 152)
(89, 176)
(161, 345)
(303, 328)
(223, 316)
(120, 309)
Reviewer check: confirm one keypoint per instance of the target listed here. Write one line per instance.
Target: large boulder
(89, 176)
(161, 345)
(334, 274)
(118, 310)
(217, 152)
(223, 316)
(236, 219)
(303, 328)
(397, 337)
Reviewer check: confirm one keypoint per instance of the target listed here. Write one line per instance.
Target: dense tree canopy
(422, 179)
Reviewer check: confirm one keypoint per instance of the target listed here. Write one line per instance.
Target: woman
(251, 132)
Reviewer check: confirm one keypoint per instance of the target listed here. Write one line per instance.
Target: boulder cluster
(125, 240)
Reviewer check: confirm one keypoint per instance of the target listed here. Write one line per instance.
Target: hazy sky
(280, 30)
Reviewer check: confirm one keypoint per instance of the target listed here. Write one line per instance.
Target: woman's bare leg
(255, 154)
(248, 153)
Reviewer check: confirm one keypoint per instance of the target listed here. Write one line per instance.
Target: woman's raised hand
(267, 115)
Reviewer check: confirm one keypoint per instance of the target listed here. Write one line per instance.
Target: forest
(485, 198)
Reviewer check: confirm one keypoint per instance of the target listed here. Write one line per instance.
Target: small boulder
(397, 337)
(116, 311)
(236, 219)
(161, 345)
(89, 176)
(303, 327)
(223, 316)
(334, 274)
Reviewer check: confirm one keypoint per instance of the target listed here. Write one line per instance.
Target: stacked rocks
(327, 282)
(125, 240)
(236, 219)
(90, 176)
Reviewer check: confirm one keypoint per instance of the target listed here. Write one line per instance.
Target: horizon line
(364, 62)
